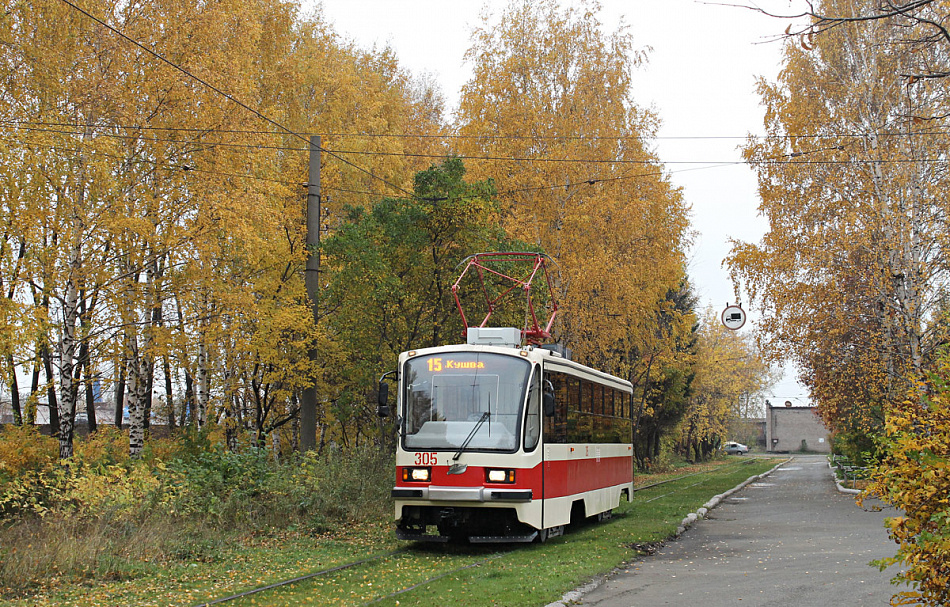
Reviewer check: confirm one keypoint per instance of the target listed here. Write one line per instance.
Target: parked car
(734, 448)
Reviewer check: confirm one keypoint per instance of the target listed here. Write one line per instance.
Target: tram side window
(583, 421)
(598, 400)
(555, 428)
(600, 423)
(575, 398)
(623, 424)
(586, 411)
(610, 425)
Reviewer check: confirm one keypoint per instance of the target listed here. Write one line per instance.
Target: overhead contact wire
(497, 137)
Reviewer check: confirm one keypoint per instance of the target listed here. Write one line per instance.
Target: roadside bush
(249, 489)
(106, 446)
(859, 447)
(665, 461)
(100, 513)
(23, 450)
(88, 490)
(914, 477)
(345, 485)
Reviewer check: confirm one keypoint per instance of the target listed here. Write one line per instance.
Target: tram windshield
(454, 397)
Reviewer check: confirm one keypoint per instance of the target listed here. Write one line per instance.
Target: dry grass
(641, 479)
(46, 552)
(100, 518)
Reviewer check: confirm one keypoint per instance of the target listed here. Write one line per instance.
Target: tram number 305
(425, 459)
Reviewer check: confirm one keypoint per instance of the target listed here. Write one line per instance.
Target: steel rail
(438, 577)
(678, 478)
(425, 582)
(302, 578)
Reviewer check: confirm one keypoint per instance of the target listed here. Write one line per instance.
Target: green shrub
(100, 513)
(859, 447)
(23, 450)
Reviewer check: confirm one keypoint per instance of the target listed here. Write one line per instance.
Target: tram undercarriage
(459, 523)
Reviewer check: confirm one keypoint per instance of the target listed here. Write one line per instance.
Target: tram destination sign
(437, 365)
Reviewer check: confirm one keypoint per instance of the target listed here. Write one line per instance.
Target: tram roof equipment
(485, 265)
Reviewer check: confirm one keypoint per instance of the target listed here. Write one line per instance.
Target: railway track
(302, 578)
(679, 478)
(379, 561)
(369, 563)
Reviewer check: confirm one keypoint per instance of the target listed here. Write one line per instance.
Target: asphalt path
(789, 539)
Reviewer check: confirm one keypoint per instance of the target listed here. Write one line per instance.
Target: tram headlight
(418, 475)
(493, 475)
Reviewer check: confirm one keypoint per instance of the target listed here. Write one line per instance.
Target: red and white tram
(500, 441)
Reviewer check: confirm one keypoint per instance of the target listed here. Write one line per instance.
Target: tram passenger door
(534, 457)
(548, 406)
(532, 425)
(554, 439)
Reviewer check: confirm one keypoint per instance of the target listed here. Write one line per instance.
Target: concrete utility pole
(308, 403)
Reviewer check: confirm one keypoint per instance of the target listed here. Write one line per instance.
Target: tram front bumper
(463, 494)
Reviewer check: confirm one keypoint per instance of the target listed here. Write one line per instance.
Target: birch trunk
(67, 349)
(203, 384)
(138, 393)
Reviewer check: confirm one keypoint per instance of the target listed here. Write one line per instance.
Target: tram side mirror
(382, 401)
(547, 399)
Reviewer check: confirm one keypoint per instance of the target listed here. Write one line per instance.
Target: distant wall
(105, 412)
(761, 439)
(787, 427)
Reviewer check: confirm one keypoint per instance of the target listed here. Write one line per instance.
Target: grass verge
(527, 575)
(540, 574)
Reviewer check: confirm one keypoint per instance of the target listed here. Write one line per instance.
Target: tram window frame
(532, 416)
(555, 429)
(581, 413)
(575, 393)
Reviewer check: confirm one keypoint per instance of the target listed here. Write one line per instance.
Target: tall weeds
(101, 515)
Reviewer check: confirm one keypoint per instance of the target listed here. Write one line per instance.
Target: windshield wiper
(471, 435)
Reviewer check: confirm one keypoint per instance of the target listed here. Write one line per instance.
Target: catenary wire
(589, 181)
(188, 167)
(931, 132)
(615, 161)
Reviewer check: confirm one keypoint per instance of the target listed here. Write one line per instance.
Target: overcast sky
(700, 79)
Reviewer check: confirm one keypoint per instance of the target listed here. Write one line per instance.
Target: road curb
(578, 593)
(692, 517)
(842, 488)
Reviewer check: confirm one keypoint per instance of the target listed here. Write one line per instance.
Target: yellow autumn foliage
(23, 450)
(551, 104)
(914, 477)
(851, 277)
(852, 266)
(162, 222)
